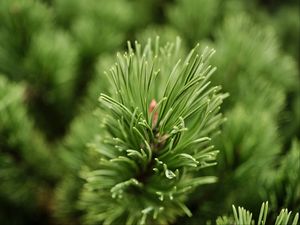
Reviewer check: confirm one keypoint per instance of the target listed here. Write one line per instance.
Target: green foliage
(57, 48)
(151, 150)
(282, 185)
(25, 56)
(242, 216)
(253, 57)
(16, 132)
(74, 156)
(26, 167)
(194, 18)
(24, 19)
(139, 156)
(54, 81)
(249, 140)
(286, 29)
(241, 150)
(115, 16)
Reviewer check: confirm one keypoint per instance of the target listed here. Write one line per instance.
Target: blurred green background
(53, 54)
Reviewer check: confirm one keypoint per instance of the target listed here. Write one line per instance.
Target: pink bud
(152, 105)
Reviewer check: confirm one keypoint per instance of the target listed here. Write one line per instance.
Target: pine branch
(254, 60)
(28, 170)
(158, 120)
(194, 18)
(242, 216)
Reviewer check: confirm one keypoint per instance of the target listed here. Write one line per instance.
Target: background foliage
(52, 57)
